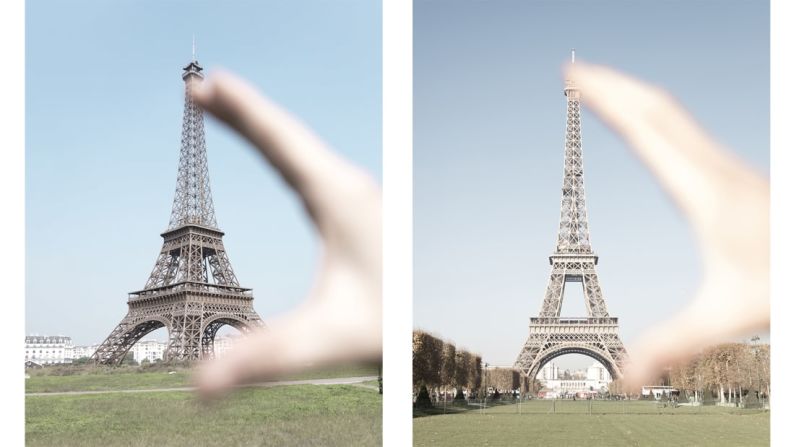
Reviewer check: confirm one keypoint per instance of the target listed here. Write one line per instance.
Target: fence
(582, 406)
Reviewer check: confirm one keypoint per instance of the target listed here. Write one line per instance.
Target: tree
(475, 372)
(129, 359)
(686, 377)
(448, 359)
(462, 366)
(734, 369)
(715, 370)
(423, 399)
(427, 355)
(502, 379)
(761, 356)
(436, 353)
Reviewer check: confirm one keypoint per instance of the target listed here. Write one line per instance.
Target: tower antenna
(573, 55)
(194, 48)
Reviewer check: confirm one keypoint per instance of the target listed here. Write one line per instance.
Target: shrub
(423, 399)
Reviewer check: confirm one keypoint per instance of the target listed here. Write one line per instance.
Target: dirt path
(337, 381)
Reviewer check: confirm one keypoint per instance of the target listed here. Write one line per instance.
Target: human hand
(340, 321)
(725, 202)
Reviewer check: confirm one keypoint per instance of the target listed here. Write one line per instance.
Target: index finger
(322, 179)
(691, 166)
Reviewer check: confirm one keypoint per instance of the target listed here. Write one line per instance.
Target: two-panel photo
(204, 215)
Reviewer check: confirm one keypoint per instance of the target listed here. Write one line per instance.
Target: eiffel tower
(573, 261)
(192, 290)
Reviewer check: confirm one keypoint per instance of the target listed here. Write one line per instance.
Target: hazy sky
(489, 118)
(103, 116)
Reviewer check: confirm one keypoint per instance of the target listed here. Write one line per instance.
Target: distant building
(658, 391)
(223, 343)
(48, 350)
(80, 352)
(595, 378)
(150, 350)
(550, 371)
(598, 373)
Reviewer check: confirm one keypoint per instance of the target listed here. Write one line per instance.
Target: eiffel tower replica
(192, 290)
(595, 335)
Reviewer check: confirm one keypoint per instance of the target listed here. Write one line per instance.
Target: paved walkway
(337, 381)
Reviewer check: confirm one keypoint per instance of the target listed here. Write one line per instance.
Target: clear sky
(104, 100)
(489, 118)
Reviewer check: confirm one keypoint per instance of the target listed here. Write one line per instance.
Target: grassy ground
(305, 415)
(99, 379)
(569, 423)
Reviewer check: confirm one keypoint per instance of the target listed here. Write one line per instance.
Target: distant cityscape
(592, 380)
(59, 349)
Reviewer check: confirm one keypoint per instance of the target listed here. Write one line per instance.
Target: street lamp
(484, 385)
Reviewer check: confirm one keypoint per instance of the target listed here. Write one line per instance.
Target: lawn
(570, 423)
(131, 378)
(306, 415)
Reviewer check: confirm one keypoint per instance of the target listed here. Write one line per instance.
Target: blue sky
(488, 138)
(104, 99)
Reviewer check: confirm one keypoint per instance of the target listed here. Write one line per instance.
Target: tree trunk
(722, 394)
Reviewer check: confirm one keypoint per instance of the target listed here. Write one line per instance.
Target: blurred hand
(725, 202)
(340, 321)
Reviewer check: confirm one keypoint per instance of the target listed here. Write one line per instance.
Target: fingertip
(213, 86)
(202, 92)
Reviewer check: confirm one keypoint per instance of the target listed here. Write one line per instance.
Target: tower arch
(124, 337)
(610, 366)
(214, 324)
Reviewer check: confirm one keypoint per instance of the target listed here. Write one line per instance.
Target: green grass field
(101, 379)
(570, 423)
(305, 415)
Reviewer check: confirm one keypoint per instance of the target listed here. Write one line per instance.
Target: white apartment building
(79, 352)
(48, 350)
(550, 371)
(598, 373)
(223, 343)
(150, 350)
(155, 350)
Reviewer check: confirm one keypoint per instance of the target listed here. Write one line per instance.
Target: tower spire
(194, 48)
(573, 55)
(573, 235)
(193, 198)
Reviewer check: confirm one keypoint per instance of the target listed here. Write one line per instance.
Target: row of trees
(732, 369)
(439, 365)
(504, 380)
(729, 371)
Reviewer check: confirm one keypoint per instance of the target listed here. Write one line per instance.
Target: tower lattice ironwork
(573, 261)
(192, 290)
